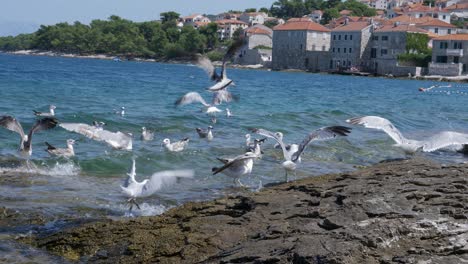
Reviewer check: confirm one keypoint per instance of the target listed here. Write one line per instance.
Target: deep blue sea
(294, 103)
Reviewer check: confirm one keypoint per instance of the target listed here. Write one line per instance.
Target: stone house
(458, 10)
(226, 28)
(349, 46)
(420, 10)
(379, 4)
(253, 18)
(448, 55)
(228, 16)
(258, 47)
(192, 19)
(438, 27)
(301, 43)
(387, 43)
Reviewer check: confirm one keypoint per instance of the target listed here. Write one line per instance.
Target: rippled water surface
(294, 103)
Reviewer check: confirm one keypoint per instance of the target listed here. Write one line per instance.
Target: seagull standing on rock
(237, 167)
(291, 159)
(159, 180)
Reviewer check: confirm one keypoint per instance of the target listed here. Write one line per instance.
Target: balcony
(454, 52)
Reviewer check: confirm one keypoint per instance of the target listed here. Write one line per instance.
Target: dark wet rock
(405, 211)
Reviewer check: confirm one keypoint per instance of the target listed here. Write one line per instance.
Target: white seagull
(12, 124)
(222, 81)
(134, 189)
(62, 152)
(210, 109)
(121, 112)
(237, 167)
(290, 148)
(228, 112)
(205, 133)
(50, 114)
(117, 140)
(291, 159)
(441, 140)
(146, 135)
(175, 146)
(255, 147)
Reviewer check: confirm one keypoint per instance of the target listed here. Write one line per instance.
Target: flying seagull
(205, 133)
(159, 180)
(12, 124)
(291, 159)
(445, 139)
(117, 140)
(146, 135)
(175, 146)
(211, 109)
(236, 167)
(62, 152)
(51, 112)
(222, 81)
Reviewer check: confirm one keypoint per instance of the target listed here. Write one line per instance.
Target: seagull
(445, 139)
(290, 148)
(99, 125)
(255, 146)
(50, 114)
(117, 140)
(205, 133)
(222, 81)
(146, 135)
(228, 112)
(133, 189)
(121, 112)
(175, 146)
(12, 124)
(210, 109)
(62, 152)
(291, 159)
(236, 167)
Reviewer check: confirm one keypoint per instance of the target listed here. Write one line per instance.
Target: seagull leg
(240, 183)
(286, 176)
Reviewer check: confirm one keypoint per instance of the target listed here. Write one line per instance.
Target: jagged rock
(405, 211)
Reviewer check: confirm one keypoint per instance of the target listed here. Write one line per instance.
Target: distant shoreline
(436, 78)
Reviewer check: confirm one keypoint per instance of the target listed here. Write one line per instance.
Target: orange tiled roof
(301, 24)
(420, 21)
(434, 22)
(259, 30)
(201, 24)
(453, 37)
(457, 6)
(191, 16)
(401, 28)
(345, 12)
(352, 26)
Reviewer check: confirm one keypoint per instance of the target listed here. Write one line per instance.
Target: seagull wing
(324, 133)
(12, 124)
(247, 155)
(206, 64)
(83, 129)
(222, 96)
(116, 140)
(164, 179)
(266, 133)
(191, 98)
(443, 140)
(229, 54)
(380, 123)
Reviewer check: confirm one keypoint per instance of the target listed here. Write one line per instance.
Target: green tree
(169, 16)
(191, 40)
(330, 14)
(210, 32)
(250, 10)
(264, 10)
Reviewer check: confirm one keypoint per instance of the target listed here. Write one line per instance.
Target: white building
(253, 18)
(227, 27)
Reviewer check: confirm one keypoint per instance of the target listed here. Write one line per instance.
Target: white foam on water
(65, 169)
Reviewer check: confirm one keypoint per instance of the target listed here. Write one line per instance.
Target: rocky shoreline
(409, 211)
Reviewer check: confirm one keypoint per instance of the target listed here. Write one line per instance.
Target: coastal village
(392, 43)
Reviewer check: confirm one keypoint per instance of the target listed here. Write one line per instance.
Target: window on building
(331, 64)
(345, 37)
(350, 50)
(420, 15)
(339, 37)
(344, 50)
(464, 67)
(313, 47)
(334, 37)
(333, 50)
(384, 38)
(449, 31)
(373, 53)
(349, 63)
(324, 48)
(441, 59)
(383, 52)
(376, 38)
(436, 30)
(443, 45)
(456, 59)
(338, 50)
(443, 17)
(301, 46)
(306, 62)
(350, 37)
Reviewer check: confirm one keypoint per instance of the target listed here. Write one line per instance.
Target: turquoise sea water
(294, 103)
